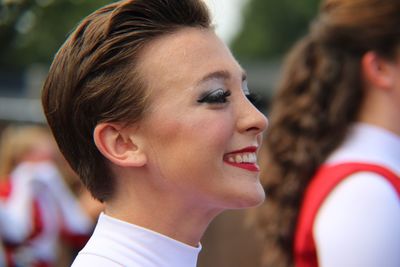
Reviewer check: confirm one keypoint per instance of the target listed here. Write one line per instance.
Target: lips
(245, 158)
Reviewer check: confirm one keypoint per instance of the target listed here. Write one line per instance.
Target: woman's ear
(118, 144)
(378, 71)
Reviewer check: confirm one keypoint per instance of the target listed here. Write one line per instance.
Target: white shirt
(40, 182)
(358, 225)
(118, 243)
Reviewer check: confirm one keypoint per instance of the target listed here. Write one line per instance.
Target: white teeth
(243, 158)
(253, 158)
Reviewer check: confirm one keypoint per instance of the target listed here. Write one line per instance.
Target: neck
(170, 214)
(380, 108)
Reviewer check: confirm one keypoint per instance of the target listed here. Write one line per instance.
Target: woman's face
(201, 133)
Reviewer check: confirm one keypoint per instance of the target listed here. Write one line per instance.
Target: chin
(248, 199)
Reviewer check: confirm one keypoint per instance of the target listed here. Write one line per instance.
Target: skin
(171, 167)
(382, 91)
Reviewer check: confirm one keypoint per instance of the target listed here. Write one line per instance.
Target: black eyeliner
(218, 96)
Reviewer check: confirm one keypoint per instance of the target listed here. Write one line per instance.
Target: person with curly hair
(333, 145)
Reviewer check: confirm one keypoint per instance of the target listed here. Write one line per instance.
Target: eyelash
(218, 96)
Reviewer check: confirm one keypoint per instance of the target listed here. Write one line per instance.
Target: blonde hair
(19, 141)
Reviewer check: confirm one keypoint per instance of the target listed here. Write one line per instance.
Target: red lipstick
(231, 159)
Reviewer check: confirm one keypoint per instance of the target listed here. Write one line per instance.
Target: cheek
(191, 144)
(215, 137)
(220, 138)
(210, 129)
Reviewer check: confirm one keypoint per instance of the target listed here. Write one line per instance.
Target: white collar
(130, 244)
(369, 143)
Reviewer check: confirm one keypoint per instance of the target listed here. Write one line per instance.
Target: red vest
(324, 181)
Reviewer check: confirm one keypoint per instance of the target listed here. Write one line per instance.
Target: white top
(359, 222)
(118, 243)
(42, 183)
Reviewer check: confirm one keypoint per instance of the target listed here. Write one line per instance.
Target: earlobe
(118, 145)
(379, 72)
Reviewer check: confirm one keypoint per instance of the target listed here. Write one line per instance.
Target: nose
(251, 120)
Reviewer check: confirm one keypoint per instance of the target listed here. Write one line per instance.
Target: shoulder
(359, 218)
(360, 194)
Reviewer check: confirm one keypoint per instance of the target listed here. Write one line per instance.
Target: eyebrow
(221, 74)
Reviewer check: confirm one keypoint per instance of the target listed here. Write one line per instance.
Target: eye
(253, 98)
(219, 96)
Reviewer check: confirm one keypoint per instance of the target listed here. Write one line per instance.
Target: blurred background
(259, 32)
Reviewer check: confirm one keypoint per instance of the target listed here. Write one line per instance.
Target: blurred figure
(333, 166)
(3, 259)
(37, 208)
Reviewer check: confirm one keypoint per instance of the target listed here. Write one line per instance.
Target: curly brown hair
(318, 98)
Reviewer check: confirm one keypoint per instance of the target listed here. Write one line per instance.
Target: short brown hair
(94, 79)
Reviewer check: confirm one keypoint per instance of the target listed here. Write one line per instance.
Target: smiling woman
(151, 109)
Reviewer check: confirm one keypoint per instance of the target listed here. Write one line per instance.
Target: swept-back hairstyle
(94, 77)
(318, 98)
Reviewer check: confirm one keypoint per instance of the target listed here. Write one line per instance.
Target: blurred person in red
(333, 146)
(37, 207)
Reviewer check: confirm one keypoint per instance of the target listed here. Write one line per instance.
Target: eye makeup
(218, 96)
(252, 97)
(245, 87)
